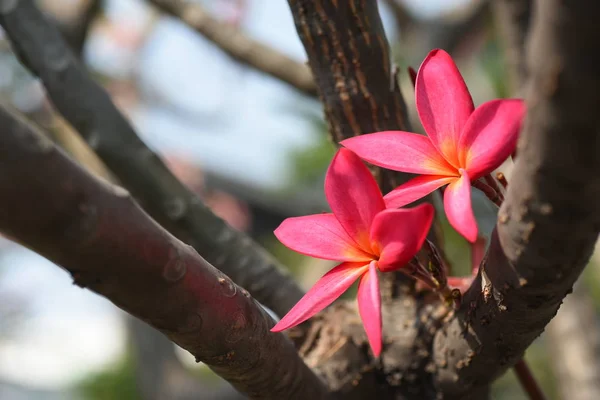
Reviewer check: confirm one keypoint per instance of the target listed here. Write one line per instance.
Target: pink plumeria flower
(463, 143)
(362, 235)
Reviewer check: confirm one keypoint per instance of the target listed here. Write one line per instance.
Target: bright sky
(71, 332)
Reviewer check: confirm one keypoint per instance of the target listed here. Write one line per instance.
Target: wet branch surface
(109, 245)
(86, 106)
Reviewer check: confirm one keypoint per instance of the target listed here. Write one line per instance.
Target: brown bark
(88, 108)
(350, 59)
(349, 56)
(109, 245)
(240, 47)
(550, 220)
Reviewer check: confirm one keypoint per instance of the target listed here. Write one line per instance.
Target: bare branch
(349, 56)
(550, 220)
(109, 245)
(242, 48)
(89, 109)
(350, 59)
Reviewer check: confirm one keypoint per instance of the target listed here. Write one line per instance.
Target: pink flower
(463, 143)
(361, 234)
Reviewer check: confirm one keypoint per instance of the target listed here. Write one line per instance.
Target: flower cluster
(367, 232)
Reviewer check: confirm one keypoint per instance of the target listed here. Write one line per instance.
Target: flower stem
(489, 192)
(527, 380)
(493, 183)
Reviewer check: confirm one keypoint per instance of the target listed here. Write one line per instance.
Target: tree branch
(350, 59)
(109, 245)
(550, 220)
(242, 48)
(349, 56)
(89, 109)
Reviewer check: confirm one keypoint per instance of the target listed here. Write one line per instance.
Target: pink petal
(353, 195)
(490, 135)
(443, 102)
(369, 307)
(457, 204)
(414, 189)
(400, 151)
(461, 283)
(320, 236)
(399, 234)
(323, 293)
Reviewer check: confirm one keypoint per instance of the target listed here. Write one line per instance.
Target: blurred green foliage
(115, 382)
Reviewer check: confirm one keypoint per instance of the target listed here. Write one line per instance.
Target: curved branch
(110, 246)
(550, 220)
(89, 109)
(242, 48)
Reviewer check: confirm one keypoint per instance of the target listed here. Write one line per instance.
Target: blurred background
(255, 149)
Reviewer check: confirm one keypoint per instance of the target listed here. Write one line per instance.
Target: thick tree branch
(550, 220)
(89, 109)
(109, 245)
(242, 48)
(350, 59)
(349, 56)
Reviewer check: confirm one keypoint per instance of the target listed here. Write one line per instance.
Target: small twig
(491, 181)
(489, 192)
(528, 381)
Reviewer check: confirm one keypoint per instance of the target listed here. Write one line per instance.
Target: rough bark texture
(546, 231)
(242, 48)
(89, 109)
(551, 217)
(574, 347)
(109, 245)
(349, 56)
